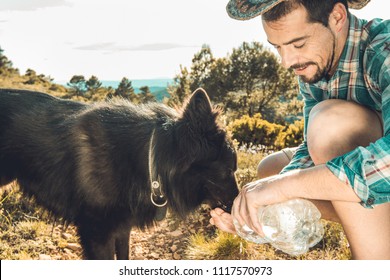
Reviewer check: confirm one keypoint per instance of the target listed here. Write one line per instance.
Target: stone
(176, 256)
(44, 257)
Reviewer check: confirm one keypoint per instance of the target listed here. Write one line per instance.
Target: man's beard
(318, 76)
(321, 72)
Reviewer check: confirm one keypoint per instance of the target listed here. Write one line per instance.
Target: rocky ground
(167, 240)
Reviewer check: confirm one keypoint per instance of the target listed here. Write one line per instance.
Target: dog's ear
(198, 109)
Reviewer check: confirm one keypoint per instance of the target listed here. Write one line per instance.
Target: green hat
(247, 9)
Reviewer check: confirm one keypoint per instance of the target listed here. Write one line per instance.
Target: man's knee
(274, 163)
(338, 126)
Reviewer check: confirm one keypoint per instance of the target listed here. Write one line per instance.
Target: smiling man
(309, 49)
(343, 166)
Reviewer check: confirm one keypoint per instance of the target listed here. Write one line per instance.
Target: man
(343, 166)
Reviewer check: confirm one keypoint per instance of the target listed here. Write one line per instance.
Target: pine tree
(77, 85)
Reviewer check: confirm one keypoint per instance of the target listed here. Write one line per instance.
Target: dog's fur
(89, 163)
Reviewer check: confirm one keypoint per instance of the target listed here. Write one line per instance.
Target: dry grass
(223, 246)
(16, 81)
(29, 232)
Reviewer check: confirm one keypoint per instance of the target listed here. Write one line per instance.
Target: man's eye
(299, 46)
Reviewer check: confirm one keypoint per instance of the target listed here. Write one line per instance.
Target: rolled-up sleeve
(367, 171)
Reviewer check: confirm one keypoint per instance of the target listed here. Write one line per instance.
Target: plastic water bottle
(292, 226)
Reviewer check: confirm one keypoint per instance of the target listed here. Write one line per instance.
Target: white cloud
(30, 5)
(113, 47)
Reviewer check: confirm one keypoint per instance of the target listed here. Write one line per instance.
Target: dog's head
(202, 160)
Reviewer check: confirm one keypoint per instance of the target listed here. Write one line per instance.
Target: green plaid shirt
(363, 75)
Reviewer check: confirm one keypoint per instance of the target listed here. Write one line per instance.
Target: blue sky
(124, 38)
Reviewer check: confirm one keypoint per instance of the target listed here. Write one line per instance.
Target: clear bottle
(292, 226)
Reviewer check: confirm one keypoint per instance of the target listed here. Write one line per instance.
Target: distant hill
(158, 87)
(140, 83)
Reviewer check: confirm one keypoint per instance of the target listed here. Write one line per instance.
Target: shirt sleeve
(301, 158)
(367, 169)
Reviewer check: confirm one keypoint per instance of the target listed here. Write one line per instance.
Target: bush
(291, 137)
(255, 130)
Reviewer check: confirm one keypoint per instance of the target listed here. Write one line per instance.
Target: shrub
(291, 137)
(255, 130)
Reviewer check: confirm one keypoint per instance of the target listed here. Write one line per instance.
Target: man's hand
(255, 195)
(222, 220)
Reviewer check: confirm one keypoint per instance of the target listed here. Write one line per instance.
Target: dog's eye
(226, 172)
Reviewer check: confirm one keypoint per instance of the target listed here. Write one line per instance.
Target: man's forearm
(316, 183)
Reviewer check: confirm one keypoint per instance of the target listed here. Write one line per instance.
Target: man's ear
(338, 17)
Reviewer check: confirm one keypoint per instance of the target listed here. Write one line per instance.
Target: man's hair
(317, 10)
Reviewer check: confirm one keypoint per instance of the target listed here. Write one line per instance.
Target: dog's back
(33, 143)
(69, 153)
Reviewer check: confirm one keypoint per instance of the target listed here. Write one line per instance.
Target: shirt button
(370, 201)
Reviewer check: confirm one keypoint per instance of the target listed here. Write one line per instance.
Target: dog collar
(157, 196)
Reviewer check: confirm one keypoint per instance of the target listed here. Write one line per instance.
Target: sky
(136, 39)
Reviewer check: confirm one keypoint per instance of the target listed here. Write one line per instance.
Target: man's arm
(311, 183)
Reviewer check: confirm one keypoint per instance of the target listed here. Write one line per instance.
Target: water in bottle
(292, 226)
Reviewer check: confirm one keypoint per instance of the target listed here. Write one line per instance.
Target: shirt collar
(350, 57)
(349, 60)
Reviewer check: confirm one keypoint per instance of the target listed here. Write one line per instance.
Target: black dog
(111, 166)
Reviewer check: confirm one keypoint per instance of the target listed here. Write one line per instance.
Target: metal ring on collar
(155, 203)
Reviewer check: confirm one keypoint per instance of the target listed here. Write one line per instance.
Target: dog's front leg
(122, 239)
(98, 242)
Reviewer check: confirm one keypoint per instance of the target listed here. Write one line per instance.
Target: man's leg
(274, 163)
(336, 127)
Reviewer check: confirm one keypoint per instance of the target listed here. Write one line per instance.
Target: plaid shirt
(363, 75)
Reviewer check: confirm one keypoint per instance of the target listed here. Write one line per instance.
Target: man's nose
(288, 56)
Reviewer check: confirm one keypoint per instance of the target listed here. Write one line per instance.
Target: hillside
(92, 88)
(158, 87)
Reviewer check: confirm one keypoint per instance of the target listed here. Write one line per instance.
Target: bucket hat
(247, 9)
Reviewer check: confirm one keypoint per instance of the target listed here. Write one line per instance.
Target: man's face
(307, 48)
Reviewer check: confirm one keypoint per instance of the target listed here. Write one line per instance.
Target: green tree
(34, 79)
(93, 85)
(250, 80)
(77, 85)
(201, 66)
(206, 72)
(146, 95)
(31, 76)
(125, 90)
(5, 64)
(180, 89)
(219, 84)
(258, 75)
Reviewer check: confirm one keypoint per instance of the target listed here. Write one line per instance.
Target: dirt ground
(167, 240)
